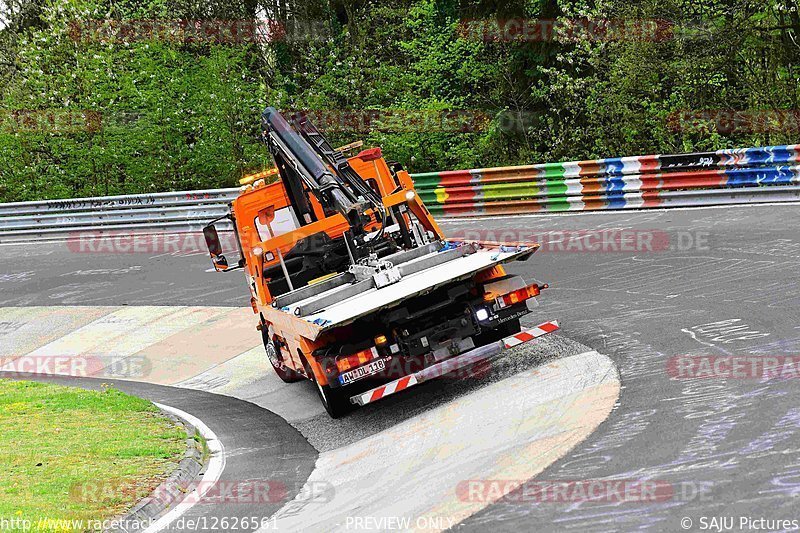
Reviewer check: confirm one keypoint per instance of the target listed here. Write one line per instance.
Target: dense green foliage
(86, 116)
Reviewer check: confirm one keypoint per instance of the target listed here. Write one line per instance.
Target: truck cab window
(284, 222)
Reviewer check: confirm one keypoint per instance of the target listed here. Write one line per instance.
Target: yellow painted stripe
(124, 331)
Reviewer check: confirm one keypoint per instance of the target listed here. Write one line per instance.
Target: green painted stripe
(427, 180)
(558, 188)
(553, 171)
(435, 209)
(557, 204)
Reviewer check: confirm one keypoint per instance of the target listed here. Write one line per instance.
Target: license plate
(363, 371)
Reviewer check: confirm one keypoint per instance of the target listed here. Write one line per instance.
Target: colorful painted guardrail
(752, 175)
(748, 175)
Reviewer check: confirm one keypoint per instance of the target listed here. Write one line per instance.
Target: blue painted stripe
(767, 155)
(616, 201)
(614, 184)
(749, 177)
(613, 166)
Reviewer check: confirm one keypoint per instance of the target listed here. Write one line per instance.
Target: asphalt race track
(704, 283)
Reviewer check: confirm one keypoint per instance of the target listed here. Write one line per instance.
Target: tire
(335, 401)
(287, 375)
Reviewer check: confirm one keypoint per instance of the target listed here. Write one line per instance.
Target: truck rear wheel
(335, 401)
(336, 404)
(287, 375)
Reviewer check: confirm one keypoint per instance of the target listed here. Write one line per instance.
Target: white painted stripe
(633, 184)
(631, 164)
(124, 332)
(573, 187)
(120, 333)
(26, 329)
(476, 176)
(634, 200)
(514, 340)
(216, 465)
(572, 170)
(388, 389)
(364, 398)
(412, 380)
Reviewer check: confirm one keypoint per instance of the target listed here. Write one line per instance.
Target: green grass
(73, 454)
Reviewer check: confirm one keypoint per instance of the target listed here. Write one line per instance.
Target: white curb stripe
(216, 465)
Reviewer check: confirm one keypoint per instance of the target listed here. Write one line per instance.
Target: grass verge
(75, 456)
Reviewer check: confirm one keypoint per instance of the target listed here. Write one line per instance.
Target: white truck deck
(348, 299)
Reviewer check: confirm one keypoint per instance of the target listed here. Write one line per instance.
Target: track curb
(173, 489)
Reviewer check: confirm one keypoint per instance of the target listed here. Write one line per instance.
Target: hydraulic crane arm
(298, 160)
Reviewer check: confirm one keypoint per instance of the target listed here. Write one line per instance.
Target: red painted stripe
(403, 383)
(649, 163)
(459, 209)
(377, 394)
(454, 177)
(651, 199)
(591, 167)
(524, 336)
(548, 327)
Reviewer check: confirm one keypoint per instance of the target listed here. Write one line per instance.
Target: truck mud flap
(482, 353)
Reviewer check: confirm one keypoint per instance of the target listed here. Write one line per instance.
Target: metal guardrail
(182, 211)
(730, 176)
(725, 177)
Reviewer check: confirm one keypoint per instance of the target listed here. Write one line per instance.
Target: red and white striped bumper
(530, 334)
(482, 353)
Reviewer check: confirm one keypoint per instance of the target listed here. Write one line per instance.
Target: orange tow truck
(353, 283)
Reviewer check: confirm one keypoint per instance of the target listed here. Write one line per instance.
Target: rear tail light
(520, 295)
(329, 367)
(357, 359)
